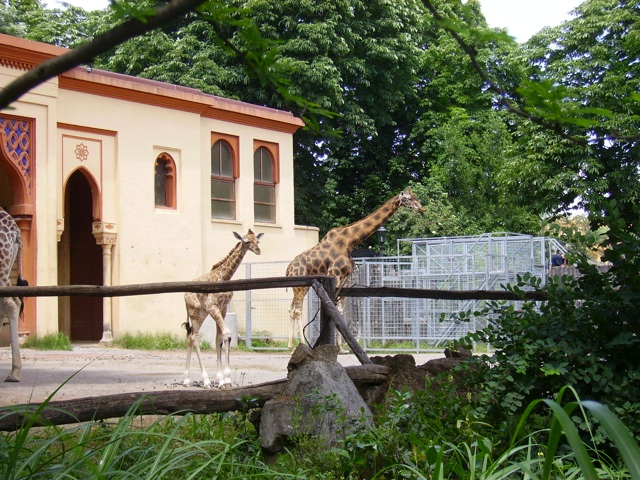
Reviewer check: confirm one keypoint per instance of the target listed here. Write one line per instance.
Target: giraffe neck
(359, 231)
(229, 264)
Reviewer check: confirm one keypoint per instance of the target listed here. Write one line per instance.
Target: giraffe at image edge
(11, 307)
(332, 255)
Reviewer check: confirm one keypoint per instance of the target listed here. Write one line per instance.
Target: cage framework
(482, 262)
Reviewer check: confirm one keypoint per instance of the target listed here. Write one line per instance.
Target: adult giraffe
(332, 255)
(10, 253)
(199, 305)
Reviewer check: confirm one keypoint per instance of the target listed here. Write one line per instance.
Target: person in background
(558, 260)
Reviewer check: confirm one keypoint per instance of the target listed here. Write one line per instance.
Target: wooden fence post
(327, 334)
(337, 319)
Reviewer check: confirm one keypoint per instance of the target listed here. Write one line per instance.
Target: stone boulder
(319, 401)
(403, 375)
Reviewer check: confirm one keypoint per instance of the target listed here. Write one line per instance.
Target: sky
(522, 18)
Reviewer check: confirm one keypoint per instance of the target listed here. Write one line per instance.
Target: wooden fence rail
(157, 288)
(257, 284)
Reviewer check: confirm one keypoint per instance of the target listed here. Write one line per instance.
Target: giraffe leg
(193, 343)
(187, 381)
(340, 307)
(12, 309)
(295, 312)
(223, 346)
(195, 318)
(206, 383)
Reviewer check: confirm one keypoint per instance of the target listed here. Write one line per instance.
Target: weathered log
(150, 403)
(256, 284)
(166, 402)
(368, 374)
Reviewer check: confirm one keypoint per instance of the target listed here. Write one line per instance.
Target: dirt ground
(104, 371)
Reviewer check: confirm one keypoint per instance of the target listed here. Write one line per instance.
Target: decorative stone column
(106, 234)
(59, 228)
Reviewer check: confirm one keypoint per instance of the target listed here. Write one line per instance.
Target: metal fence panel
(484, 262)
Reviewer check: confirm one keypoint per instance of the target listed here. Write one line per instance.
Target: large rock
(402, 375)
(320, 401)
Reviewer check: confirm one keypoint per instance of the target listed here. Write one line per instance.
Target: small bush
(52, 341)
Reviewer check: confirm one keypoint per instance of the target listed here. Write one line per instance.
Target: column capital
(59, 228)
(106, 233)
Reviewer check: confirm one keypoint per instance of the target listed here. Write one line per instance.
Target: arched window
(264, 185)
(165, 181)
(223, 181)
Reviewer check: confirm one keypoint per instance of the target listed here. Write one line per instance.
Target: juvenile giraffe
(199, 305)
(10, 253)
(332, 255)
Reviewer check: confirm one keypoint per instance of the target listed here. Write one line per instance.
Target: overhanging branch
(493, 86)
(87, 52)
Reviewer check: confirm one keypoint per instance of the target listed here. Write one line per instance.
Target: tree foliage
(580, 81)
(387, 95)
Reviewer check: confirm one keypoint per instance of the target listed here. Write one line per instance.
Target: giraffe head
(250, 240)
(409, 200)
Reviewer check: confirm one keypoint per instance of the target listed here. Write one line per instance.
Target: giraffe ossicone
(332, 255)
(199, 305)
(11, 307)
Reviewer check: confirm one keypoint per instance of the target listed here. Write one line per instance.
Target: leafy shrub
(52, 341)
(585, 336)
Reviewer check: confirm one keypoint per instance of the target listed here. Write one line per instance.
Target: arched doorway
(84, 258)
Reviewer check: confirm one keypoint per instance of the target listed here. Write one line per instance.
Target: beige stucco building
(117, 180)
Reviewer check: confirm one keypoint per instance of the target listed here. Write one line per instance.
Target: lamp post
(382, 234)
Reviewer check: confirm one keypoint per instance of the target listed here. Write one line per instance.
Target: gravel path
(105, 371)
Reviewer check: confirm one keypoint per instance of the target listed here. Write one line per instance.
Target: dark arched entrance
(85, 260)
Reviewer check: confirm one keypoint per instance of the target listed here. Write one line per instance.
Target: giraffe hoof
(12, 379)
(186, 383)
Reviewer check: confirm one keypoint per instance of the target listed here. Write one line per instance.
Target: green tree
(577, 144)
(355, 58)
(407, 106)
(468, 143)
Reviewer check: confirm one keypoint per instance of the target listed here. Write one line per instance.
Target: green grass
(157, 341)
(228, 446)
(53, 341)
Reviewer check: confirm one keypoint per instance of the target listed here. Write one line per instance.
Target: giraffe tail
(22, 283)
(187, 326)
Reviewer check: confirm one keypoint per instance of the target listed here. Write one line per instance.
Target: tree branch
(100, 44)
(493, 85)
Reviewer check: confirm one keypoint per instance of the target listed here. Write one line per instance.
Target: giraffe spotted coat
(332, 255)
(11, 307)
(199, 305)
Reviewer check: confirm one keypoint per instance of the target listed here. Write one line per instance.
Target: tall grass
(557, 452)
(227, 446)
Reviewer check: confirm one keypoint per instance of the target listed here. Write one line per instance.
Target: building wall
(112, 128)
